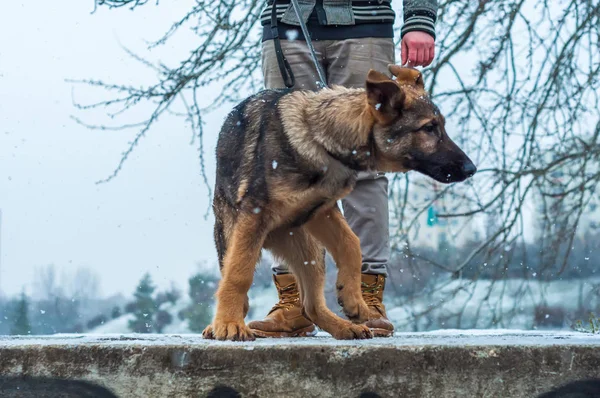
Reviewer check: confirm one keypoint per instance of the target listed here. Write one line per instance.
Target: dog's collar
(359, 159)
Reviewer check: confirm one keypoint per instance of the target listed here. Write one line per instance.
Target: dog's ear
(383, 93)
(407, 76)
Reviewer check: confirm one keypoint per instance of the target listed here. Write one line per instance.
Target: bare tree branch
(519, 82)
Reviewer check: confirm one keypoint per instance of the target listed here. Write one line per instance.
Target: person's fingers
(429, 53)
(421, 56)
(412, 56)
(418, 49)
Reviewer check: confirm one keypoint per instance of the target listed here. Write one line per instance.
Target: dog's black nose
(469, 169)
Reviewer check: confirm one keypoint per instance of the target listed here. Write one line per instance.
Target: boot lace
(369, 293)
(288, 297)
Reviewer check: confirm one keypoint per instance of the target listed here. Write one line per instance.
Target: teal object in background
(431, 217)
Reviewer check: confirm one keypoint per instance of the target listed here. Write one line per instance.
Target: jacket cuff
(419, 22)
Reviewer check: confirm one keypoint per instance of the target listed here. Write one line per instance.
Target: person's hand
(418, 49)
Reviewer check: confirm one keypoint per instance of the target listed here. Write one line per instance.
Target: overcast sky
(148, 219)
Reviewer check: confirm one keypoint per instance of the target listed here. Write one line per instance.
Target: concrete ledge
(440, 364)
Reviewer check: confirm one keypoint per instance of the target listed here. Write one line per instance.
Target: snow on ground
(121, 324)
(177, 325)
(481, 301)
(117, 325)
(261, 301)
(465, 338)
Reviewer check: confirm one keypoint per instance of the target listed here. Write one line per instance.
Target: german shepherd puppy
(283, 160)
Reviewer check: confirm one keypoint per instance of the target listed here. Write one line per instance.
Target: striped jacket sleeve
(420, 15)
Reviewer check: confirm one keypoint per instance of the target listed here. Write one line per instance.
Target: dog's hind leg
(225, 218)
(306, 259)
(243, 250)
(331, 229)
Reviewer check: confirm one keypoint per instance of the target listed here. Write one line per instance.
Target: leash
(284, 66)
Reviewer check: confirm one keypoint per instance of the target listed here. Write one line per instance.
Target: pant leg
(366, 207)
(366, 210)
(298, 55)
(305, 73)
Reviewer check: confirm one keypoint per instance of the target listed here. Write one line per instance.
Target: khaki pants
(346, 63)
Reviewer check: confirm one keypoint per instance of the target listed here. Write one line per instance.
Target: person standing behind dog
(349, 37)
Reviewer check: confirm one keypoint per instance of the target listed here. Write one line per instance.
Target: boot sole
(377, 332)
(309, 331)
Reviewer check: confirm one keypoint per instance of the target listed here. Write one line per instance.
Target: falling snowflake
(377, 106)
(274, 164)
(256, 210)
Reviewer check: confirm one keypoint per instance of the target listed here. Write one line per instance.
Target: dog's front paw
(353, 332)
(207, 333)
(354, 308)
(234, 331)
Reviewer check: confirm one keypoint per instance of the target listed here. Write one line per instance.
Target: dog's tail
(219, 234)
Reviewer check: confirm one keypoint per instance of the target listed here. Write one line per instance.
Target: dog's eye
(430, 128)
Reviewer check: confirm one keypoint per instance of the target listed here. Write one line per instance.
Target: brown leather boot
(285, 319)
(372, 290)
